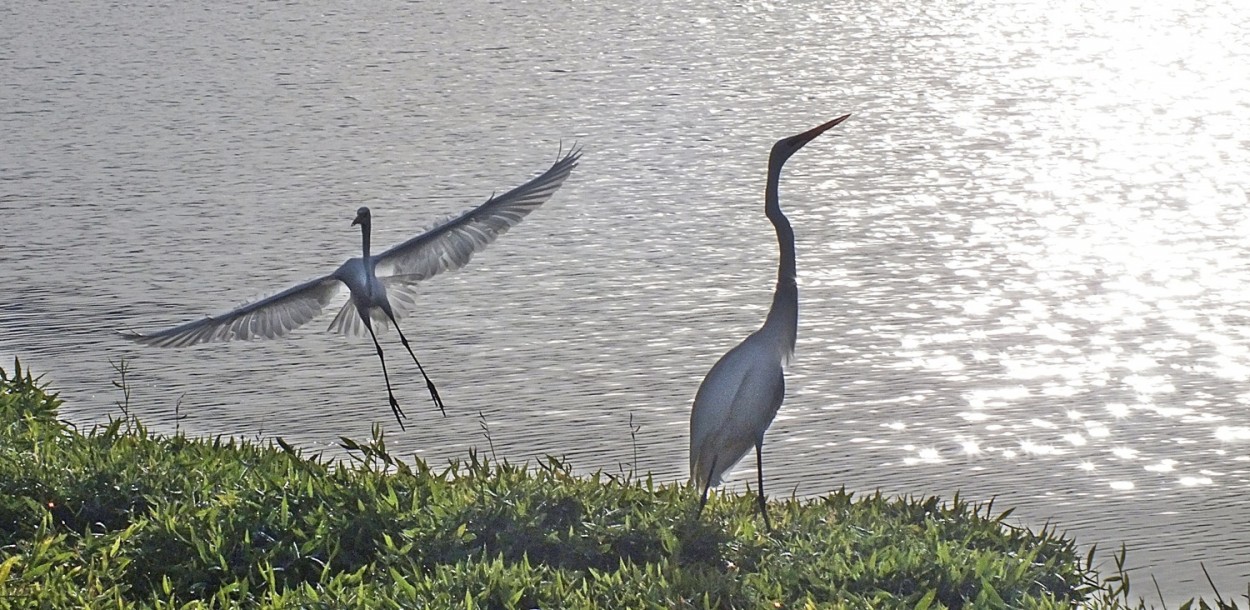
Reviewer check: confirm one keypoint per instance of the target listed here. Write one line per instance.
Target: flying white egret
(741, 394)
(383, 287)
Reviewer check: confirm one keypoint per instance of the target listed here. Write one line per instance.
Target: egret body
(740, 396)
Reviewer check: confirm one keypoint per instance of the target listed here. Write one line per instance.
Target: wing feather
(450, 245)
(734, 405)
(267, 318)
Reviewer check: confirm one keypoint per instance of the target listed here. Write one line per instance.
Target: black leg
(706, 485)
(759, 469)
(389, 393)
(428, 384)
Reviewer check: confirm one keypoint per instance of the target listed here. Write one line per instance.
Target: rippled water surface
(1023, 262)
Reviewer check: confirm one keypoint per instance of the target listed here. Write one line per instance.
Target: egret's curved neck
(783, 316)
(364, 237)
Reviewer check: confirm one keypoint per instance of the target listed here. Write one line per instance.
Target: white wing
(450, 245)
(733, 408)
(265, 319)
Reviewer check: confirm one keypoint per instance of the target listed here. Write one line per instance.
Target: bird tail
(349, 324)
(701, 471)
(401, 293)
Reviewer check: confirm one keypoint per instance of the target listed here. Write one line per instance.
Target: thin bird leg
(389, 393)
(759, 469)
(429, 384)
(707, 485)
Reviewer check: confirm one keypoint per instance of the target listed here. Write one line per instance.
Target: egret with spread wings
(383, 286)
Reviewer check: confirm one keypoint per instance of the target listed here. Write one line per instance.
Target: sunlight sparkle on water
(988, 397)
(1164, 411)
(1231, 434)
(969, 446)
(1033, 448)
(1125, 453)
(1119, 410)
(1165, 465)
(925, 455)
(1149, 384)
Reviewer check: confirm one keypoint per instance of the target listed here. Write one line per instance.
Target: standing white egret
(740, 396)
(383, 287)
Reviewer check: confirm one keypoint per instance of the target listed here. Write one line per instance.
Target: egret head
(788, 146)
(362, 216)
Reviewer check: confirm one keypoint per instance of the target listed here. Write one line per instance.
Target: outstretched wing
(450, 245)
(265, 319)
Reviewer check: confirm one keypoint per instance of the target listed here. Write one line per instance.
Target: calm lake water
(1024, 262)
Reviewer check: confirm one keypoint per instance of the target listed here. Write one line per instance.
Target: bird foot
(399, 413)
(438, 401)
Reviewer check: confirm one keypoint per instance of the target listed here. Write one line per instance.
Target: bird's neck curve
(784, 313)
(364, 239)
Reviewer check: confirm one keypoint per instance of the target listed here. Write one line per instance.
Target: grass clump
(121, 518)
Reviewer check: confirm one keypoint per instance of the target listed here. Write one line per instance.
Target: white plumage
(383, 287)
(740, 396)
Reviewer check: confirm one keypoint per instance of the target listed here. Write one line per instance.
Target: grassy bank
(120, 518)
